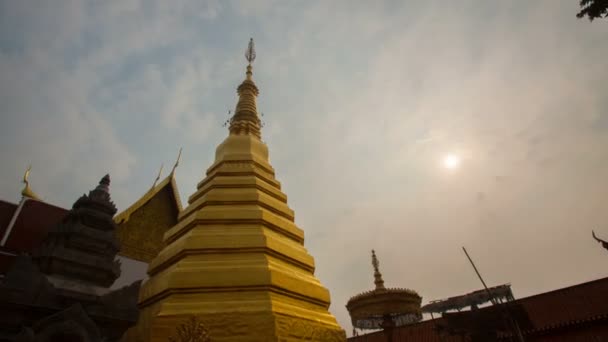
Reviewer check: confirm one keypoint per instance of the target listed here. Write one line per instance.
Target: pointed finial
(377, 275)
(104, 183)
(179, 157)
(27, 191)
(245, 119)
(160, 172)
(105, 180)
(250, 53)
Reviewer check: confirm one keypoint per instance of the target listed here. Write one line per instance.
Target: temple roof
(29, 228)
(35, 218)
(169, 181)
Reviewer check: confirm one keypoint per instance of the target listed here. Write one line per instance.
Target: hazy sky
(361, 99)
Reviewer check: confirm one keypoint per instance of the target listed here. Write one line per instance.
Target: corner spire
(27, 191)
(377, 275)
(179, 158)
(160, 173)
(245, 119)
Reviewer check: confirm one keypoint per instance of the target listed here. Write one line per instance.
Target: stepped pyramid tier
(236, 260)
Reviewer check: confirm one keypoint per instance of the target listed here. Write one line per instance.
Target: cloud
(360, 103)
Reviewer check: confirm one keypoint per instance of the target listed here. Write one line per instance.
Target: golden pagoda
(236, 260)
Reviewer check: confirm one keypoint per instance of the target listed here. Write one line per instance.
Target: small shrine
(384, 308)
(61, 292)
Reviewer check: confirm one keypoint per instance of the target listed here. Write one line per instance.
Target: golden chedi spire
(236, 260)
(377, 275)
(246, 119)
(27, 191)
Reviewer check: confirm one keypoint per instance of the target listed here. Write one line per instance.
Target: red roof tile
(6, 213)
(32, 224)
(568, 305)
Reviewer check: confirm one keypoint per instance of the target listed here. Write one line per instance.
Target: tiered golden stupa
(235, 259)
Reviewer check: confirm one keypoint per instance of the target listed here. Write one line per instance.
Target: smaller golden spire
(27, 191)
(160, 172)
(179, 157)
(377, 275)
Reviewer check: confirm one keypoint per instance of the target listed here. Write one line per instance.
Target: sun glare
(451, 161)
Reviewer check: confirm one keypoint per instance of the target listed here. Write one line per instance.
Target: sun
(451, 161)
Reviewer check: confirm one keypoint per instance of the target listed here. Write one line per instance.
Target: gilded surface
(141, 236)
(27, 190)
(295, 329)
(236, 259)
(249, 326)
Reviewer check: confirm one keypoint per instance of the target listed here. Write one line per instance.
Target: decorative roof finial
(27, 191)
(250, 53)
(105, 180)
(179, 157)
(160, 172)
(604, 243)
(377, 275)
(245, 119)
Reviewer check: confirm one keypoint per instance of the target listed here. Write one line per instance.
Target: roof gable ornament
(179, 157)
(160, 172)
(602, 242)
(27, 190)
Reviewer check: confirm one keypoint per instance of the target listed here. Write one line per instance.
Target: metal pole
(479, 275)
(513, 321)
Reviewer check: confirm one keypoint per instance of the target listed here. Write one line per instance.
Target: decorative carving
(141, 231)
(191, 331)
(292, 328)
